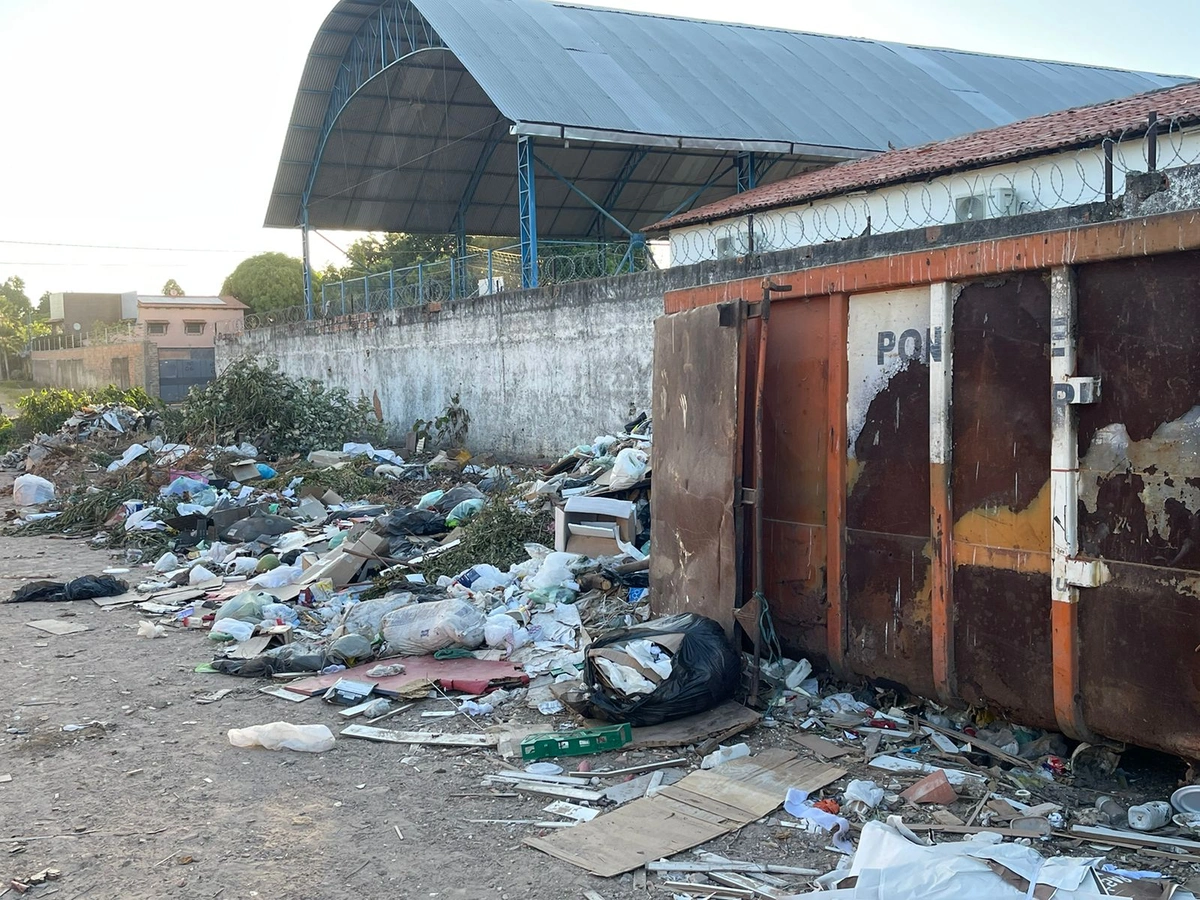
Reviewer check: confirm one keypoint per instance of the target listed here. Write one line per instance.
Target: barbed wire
(480, 273)
(1054, 181)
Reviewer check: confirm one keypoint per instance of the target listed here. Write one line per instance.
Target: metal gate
(176, 376)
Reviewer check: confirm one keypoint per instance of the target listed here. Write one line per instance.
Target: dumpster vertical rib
(941, 313)
(835, 482)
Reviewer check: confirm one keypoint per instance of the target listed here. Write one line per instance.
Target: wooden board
(434, 738)
(472, 676)
(703, 806)
(58, 626)
(691, 729)
(278, 690)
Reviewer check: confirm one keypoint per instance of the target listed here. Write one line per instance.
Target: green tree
(172, 288)
(18, 324)
(267, 281)
(382, 253)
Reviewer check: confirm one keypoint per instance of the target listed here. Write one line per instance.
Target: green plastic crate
(580, 742)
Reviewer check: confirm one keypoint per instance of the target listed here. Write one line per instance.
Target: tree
(18, 323)
(172, 288)
(267, 281)
(396, 251)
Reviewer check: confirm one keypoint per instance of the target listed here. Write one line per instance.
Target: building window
(193, 328)
(156, 328)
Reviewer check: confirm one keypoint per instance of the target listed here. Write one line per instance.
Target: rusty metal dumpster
(981, 476)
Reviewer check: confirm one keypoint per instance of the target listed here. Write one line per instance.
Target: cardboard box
(245, 470)
(343, 564)
(592, 525)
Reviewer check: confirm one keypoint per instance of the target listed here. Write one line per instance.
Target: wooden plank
(571, 811)
(278, 690)
(729, 879)
(636, 770)
(1148, 840)
(986, 747)
(432, 738)
(667, 865)
(701, 807)
(707, 890)
(552, 790)
(544, 779)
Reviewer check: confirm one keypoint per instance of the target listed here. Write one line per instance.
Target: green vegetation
(255, 402)
(267, 282)
(44, 411)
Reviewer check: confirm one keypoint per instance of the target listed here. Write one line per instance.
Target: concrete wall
(85, 368)
(539, 371)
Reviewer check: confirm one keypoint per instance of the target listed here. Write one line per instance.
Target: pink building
(183, 323)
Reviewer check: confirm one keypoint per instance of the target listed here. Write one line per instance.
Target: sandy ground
(150, 800)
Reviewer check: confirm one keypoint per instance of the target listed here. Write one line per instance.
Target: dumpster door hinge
(1076, 391)
(1086, 573)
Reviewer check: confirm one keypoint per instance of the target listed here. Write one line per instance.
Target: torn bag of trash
(665, 669)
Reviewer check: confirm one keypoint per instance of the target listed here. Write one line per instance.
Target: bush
(8, 433)
(258, 403)
(45, 411)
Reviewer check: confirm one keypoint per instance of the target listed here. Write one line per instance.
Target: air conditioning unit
(993, 204)
(730, 246)
(491, 286)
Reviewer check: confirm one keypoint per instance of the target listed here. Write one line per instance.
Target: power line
(120, 247)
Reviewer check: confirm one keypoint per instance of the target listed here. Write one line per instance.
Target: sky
(158, 125)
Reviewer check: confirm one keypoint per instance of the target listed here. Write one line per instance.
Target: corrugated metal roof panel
(634, 78)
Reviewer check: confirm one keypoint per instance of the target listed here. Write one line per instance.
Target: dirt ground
(150, 800)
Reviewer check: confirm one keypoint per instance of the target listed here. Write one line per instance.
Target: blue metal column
(527, 202)
(308, 286)
(746, 176)
(460, 253)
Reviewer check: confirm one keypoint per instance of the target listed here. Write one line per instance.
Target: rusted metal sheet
(1000, 489)
(888, 554)
(697, 462)
(795, 457)
(1138, 637)
(1139, 500)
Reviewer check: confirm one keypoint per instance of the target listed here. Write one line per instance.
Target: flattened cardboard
(245, 470)
(474, 676)
(691, 729)
(821, 747)
(703, 806)
(58, 626)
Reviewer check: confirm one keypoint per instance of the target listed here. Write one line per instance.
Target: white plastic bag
(199, 575)
(30, 490)
(168, 562)
(628, 468)
(235, 628)
(501, 632)
(247, 606)
(555, 570)
(366, 618)
(278, 577)
(424, 628)
(284, 736)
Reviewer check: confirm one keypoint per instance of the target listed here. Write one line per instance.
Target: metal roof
(1124, 118)
(408, 109)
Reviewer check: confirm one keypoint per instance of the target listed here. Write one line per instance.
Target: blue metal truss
(600, 210)
(527, 203)
(391, 35)
(632, 161)
(747, 174)
(308, 285)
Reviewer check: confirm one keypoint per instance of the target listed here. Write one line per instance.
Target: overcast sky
(144, 123)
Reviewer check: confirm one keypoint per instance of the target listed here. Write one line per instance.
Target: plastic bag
(199, 575)
(284, 736)
(463, 511)
(168, 562)
(234, 628)
(457, 495)
(628, 469)
(430, 500)
(280, 613)
(247, 606)
(424, 628)
(554, 572)
(277, 577)
(30, 490)
(366, 618)
(414, 521)
(705, 670)
(184, 485)
(501, 632)
(483, 577)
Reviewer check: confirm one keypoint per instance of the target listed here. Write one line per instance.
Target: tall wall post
(527, 203)
(307, 262)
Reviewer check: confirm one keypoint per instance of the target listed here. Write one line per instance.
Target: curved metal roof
(407, 110)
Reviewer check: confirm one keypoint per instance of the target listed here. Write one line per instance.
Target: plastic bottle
(284, 736)
(1149, 816)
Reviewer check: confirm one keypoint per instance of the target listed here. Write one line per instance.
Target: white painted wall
(1051, 182)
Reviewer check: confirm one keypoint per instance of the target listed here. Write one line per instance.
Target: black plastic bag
(413, 521)
(705, 672)
(85, 588)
